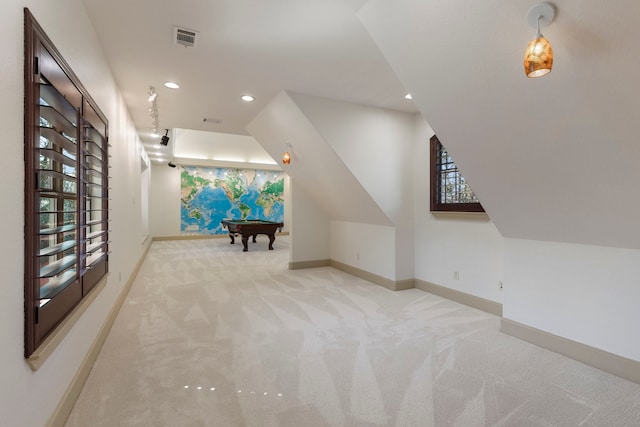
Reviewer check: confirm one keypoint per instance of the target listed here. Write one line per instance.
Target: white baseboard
(394, 285)
(298, 265)
(189, 237)
(201, 236)
(608, 362)
(483, 304)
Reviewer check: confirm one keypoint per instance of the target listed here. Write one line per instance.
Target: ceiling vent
(184, 37)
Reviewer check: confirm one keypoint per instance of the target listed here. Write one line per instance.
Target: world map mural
(209, 195)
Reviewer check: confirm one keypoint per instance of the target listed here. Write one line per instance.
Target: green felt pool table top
(249, 221)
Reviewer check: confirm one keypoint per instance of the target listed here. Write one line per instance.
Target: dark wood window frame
(441, 163)
(66, 188)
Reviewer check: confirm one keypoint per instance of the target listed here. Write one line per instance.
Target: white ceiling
(315, 47)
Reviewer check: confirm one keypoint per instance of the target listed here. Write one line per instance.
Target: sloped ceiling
(315, 167)
(555, 158)
(375, 144)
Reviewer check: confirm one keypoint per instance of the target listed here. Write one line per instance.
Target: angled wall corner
(376, 145)
(310, 238)
(373, 143)
(365, 153)
(315, 167)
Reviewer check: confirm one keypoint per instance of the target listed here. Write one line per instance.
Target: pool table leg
(232, 238)
(245, 240)
(272, 239)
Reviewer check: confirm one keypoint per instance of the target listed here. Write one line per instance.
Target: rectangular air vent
(184, 37)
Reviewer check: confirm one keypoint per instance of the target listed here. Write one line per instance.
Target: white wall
(376, 145)
(288, 204)
(27, 398)
(365, 246)
(310, 233)
(584, 293)
(15, 376)
(145, 183)
(589, 294)
(445, 243)
(165, 200)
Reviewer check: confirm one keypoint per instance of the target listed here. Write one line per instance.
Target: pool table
(251, 227)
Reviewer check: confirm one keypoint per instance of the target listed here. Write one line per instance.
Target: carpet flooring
(212, 336)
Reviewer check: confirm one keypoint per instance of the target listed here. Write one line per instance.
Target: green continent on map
(190, 185)
(195, 214)
(246, 210)
(232, 184)
(270, 194)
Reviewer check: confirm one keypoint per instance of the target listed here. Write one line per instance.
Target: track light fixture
(153, 108)
(165, 138)
(171, 164)
(152, 94)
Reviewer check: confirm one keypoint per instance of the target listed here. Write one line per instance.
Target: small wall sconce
(286, 156)
(538, 58)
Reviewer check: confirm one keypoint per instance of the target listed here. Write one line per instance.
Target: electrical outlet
(456, 275)
(500, 285)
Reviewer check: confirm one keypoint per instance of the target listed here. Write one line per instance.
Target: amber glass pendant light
(286, 156)
(538, 57)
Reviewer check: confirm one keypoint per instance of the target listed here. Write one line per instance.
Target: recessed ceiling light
(172, 85)
(247, 98)
(408, 96)
(155, 135)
